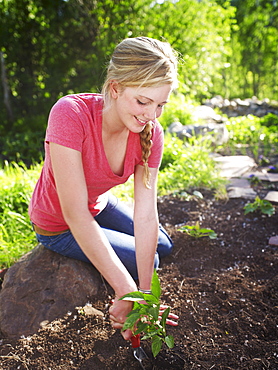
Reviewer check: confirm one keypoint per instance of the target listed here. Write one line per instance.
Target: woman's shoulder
(80, 100)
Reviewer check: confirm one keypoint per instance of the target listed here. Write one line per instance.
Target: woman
(95, 142)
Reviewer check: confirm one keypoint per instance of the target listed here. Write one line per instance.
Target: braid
(146, 143)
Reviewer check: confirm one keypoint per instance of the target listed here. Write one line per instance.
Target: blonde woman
(95, 142)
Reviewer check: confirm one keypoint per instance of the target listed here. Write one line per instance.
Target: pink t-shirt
(75, 121)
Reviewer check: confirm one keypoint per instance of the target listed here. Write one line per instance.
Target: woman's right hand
(118, 313)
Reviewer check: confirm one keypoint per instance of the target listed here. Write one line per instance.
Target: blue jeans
(116, 221)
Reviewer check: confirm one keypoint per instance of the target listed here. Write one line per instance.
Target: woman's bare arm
(145, 225)
(72, 192)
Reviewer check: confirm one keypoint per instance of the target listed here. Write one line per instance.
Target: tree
(255, 51)
(55, 47)
(200, 31)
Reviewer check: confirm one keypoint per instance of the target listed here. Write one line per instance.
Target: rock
(246, 193)
(272, 177)
(272, 196)
(273, 240)
(218, 131)
(43, 286)
(239, 183)
(89, 310)
(235, 165)
(207, 114)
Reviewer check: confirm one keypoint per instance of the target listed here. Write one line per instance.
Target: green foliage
(261, 205)
(16, 234)
(178, 109)
(187, 165)
(256, 36)
(248, 134)
(197, 232)
(144, 317)
(53, 48)
(26, 147)
(200, 31)
(270, 120)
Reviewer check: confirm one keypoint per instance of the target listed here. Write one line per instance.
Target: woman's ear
(114, 89)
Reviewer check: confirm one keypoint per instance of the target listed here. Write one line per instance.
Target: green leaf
(141, 327)
(169, 340)
(156, 345)
(150, 298)
(133, 296)
(131, 321)
(151, 334)
(155, 285)
(212, 235)
(154, 312)
(164, 316)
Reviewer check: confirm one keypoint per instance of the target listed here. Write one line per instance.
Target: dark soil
(224, 290)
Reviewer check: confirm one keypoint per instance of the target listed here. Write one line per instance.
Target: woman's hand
(118, 312)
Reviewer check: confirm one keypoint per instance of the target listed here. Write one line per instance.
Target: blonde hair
(141, 62)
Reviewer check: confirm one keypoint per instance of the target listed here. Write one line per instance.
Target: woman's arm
(72, 192)
(145, 225)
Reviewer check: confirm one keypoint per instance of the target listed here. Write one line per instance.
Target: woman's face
(135, 107)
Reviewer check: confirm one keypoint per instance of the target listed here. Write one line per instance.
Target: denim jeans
(116, 221)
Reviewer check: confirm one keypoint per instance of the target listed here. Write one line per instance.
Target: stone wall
(239, 107)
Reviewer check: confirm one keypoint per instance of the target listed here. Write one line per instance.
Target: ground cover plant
(198, 232)
(261, 205)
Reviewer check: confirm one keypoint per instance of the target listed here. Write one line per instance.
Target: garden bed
(225, 291)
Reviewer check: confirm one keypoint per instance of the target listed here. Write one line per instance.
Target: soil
(225, 291)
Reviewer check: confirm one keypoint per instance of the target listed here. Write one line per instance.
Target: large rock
(41, 287)
(217, 131)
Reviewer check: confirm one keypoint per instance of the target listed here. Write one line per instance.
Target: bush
(270, 120)
(177, 109)
(188, 166)
(24, 145)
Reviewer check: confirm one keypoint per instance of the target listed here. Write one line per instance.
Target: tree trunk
(4, 79)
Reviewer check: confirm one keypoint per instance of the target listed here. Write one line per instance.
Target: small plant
(254, 180)
(145, 317)
(272, 169)
(262, 205)
(197, 232)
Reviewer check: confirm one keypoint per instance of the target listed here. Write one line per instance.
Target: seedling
(197, 232)
(145, 317)
(262, 205)
(254, 180)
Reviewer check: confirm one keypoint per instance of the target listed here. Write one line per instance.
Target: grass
(16, 234)
(186, 166)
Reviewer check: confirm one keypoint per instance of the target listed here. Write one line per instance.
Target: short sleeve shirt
(75, 121)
